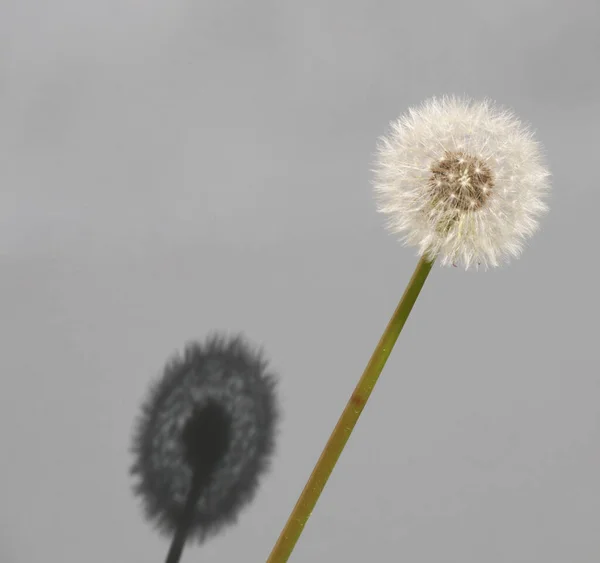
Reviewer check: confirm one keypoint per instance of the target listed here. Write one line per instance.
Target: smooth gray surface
(169, 167)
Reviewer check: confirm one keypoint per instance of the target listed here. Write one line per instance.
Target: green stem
(331, 453)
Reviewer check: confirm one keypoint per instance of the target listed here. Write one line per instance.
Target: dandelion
(205, 436)
(462, 181)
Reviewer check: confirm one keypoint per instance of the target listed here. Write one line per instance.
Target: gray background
(172, 167)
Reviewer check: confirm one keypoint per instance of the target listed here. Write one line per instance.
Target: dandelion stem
(186, 521)
(316, 482)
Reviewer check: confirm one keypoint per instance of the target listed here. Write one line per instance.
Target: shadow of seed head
(213, 414)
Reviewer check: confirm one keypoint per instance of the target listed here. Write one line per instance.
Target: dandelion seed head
(463, 181)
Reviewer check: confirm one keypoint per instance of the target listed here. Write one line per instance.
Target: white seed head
(463, 181)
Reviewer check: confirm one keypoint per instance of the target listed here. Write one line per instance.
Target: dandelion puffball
(462, 180)
(213, 411)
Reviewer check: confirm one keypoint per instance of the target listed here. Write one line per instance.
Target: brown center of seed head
(460, 181)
